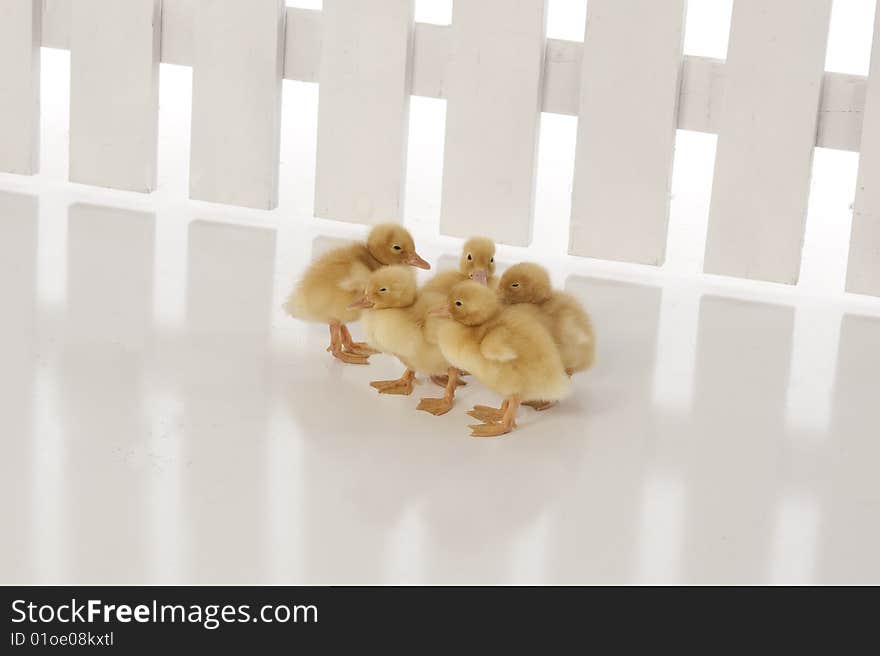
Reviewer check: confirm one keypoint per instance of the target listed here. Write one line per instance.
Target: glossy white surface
(163, 422)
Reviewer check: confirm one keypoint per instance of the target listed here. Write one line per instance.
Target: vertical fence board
(363, 109)
(494, 101)
(114, 93)
(863, 273)
(20, 40)
(626, 129)
(236, 102)
(766, 137)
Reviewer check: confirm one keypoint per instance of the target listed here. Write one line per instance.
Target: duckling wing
(355, 279)
(498, 345)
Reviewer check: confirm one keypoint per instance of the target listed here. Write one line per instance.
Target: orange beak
(363, 302)
(416, 261)
(441, 312)
(481, 277)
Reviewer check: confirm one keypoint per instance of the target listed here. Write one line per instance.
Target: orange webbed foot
(493, 429)
(486, 413)
(540, 405)
(436, 407)
(351, 358)
(402, 386)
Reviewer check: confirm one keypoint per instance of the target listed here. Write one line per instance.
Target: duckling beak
(418, 262)
(363, 302)
(441, 312)
(480, 276)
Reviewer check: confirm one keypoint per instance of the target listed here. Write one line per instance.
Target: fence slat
(863, 272)
(20, 40)
(767, 131)
(494, 102)
(626, 129)
(363, 109)
(114, 93)
(236, 102)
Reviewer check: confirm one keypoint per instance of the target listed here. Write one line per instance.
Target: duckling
(505, 348)
(395, 322)
(337, 279)
(561, 313)
(477, 263)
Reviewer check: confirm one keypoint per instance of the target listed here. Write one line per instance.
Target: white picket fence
(770, 102)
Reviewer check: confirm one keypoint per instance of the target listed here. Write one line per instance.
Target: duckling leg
(442, 405)
(540, 405)
(488, 414)
(403, 385)
(337, 350)
(357, 348)
(507, 423)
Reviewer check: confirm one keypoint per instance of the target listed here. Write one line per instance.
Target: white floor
(161, 421)
(164, 422)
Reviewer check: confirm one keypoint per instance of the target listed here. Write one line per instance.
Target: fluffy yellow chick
(336, 279)
(566, 318)
(395, 322)
(561, 313)
(477, 263)
(505, 348)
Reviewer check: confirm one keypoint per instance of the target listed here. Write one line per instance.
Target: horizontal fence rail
(770, 103)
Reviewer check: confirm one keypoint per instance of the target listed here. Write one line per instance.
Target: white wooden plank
(304, 42)
(56, 24)
(562, 77)
(702, 90)
(863, 273)
(114, 93)
(766, 138)
(363, 109)
(20, 86)
(626, 132)
(177, 31)
(841, 111)
(431, 56)
(492, 116)
(236, 102)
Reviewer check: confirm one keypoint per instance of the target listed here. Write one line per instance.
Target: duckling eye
(396, 247)
(458, 303)
(515, 284)
(384, 289)
(491, 259)
(470, 257)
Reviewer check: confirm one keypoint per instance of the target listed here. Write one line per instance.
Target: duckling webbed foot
(491, 429)
(337, 349)
(540, 405)
(357, 348)
(488, 414)
(442, 405)
(497, 428)
(402, 386)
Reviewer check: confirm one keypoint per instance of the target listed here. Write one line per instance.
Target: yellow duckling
(477, 263)
(561, 313)
(395, 322)
(337, 279)
(505, 348)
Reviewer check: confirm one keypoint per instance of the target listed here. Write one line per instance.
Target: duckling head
(525, 282)
(391, 243)
(472, 304)
(389, 287)
(478, 259)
